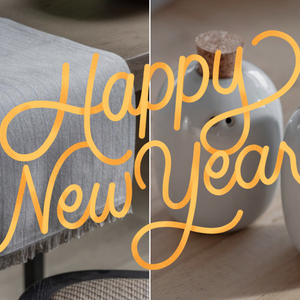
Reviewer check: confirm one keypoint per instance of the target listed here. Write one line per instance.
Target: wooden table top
(257, 263)
(260, 262)
(118, 26)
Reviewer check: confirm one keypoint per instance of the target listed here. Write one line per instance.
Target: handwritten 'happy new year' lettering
(145, 106)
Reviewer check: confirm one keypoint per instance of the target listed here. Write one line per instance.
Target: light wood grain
(261, 261)
(136, 66)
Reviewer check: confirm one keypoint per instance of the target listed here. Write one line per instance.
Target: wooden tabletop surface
(118, 26)
(260, 262)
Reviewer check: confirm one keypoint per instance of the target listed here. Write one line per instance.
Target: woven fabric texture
(31, 69)
(106, 289)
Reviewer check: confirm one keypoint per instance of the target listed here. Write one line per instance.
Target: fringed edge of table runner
(53, 241)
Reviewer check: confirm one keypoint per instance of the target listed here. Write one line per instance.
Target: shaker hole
(229, 121)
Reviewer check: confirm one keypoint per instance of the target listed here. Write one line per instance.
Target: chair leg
(34, 270)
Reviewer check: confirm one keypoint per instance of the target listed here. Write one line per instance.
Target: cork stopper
(209, 42)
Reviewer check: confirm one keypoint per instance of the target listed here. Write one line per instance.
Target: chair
(91, 285)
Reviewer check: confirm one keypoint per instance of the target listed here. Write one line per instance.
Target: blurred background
(261, 261)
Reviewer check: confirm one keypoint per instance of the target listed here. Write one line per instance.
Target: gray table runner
(31, 69)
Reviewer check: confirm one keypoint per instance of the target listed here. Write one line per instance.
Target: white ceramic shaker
(290, 188)
(266, 129)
